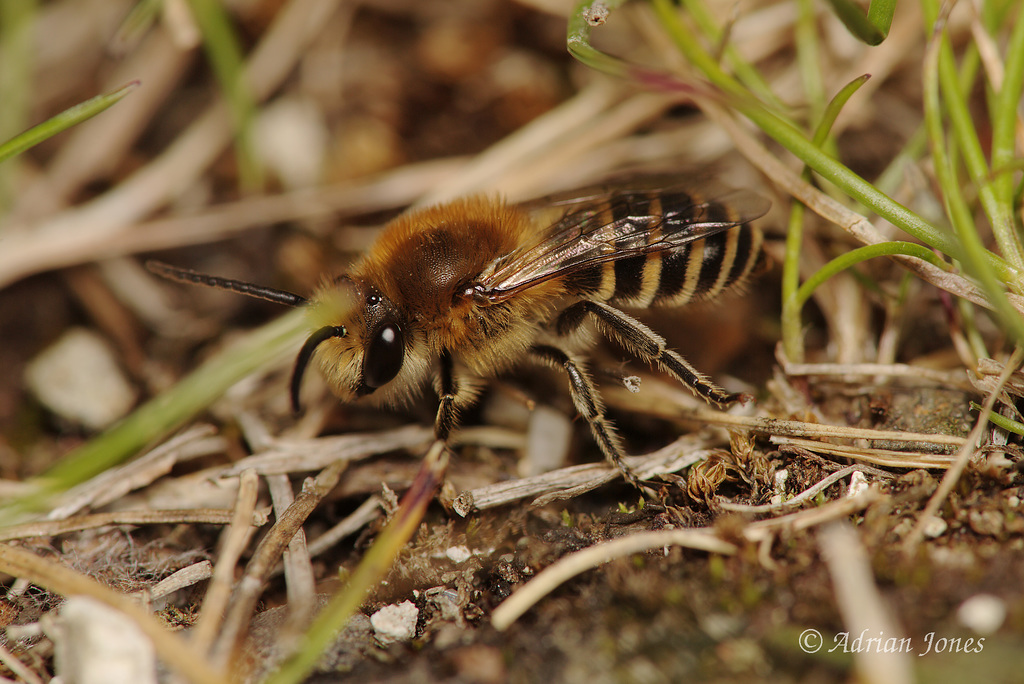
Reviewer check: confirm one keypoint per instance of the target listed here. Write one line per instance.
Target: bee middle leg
(647, 345)
(588, 403)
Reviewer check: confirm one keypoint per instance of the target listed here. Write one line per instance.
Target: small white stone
(395, 623)
(983, 613)
(934, 527)
(293, 140)
(78, 379)
(781, 476)
(548, 438)
(858, 484)
(95, 644)
(458, 554)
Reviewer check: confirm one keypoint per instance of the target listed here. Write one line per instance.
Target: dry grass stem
(575, 480)
(862, 606)
(51, 528)
(881, 457)
(266, 555)
(233, 542)
(298, 567)
(295, 456)
(987, 49)
(892, 370)
(599, 554)
(173, 650)
(367, 512)
(669, 401)
(812, 517)
(795, 428)
(186, 577)
(959, 463)
(18, 668)
(113, 484)
(806, 495)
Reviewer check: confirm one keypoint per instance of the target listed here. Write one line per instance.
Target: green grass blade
(834, 107)
(956, 106)
(16, 59)
(974, 255)
(66, 119)
(577, 39)
(1004, 125)
(792, 334)
(1001, 421)
(855, 256)
(823, 164)
(224, 51)
(168, 411)
(871, 28)
(745, 72)
(371, 570)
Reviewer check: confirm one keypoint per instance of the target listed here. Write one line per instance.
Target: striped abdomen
(692, 270)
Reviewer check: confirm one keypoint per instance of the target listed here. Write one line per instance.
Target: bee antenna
(185, 275)
(306, 353)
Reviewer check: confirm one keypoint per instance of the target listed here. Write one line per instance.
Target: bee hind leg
(588, 403)
(648, 346)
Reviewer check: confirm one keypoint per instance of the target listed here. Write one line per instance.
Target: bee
(466, 290)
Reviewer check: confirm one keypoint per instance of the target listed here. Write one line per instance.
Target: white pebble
(293, 140)
(781, 476)
(548, 438)
(934, 527)
(858, 483)
(395, 623)
(458, 554)
(95, 644)
(983, 613)
(78, 379)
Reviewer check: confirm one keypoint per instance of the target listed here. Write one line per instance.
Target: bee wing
(598, 225)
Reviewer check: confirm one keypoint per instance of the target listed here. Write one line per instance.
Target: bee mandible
(469, 289)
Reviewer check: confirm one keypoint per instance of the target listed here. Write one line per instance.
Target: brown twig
(247, 593)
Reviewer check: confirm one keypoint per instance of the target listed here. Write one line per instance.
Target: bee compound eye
(384, 356)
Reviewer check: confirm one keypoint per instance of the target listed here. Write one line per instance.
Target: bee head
(361, 340)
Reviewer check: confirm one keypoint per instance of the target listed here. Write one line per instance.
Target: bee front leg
(647, 345)
(588, 403)
(447, 390)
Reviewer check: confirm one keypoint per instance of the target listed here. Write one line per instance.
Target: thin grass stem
(824, 165)
(225, 54)
(66, 119)
(855, 256)
(974, 254)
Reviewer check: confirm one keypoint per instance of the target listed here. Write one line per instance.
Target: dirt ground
(810, 535)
